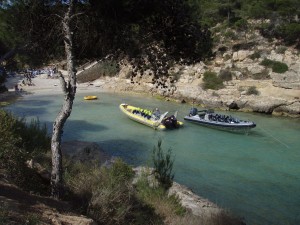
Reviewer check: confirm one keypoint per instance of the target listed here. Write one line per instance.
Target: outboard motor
(170, 122)
(193, 111)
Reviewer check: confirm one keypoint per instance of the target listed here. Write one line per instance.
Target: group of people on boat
(209, 115)
(222, 118)
(155, 114)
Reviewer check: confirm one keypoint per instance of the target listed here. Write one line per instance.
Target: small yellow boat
(145, 117)
(90, 97)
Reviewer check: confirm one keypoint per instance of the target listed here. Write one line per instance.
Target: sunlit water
(256, 176)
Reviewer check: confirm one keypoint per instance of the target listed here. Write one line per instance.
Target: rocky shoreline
(89, 151)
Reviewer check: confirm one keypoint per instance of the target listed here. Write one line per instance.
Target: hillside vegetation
(150, 34)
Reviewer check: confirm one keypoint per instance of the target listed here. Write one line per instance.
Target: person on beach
(16, 88)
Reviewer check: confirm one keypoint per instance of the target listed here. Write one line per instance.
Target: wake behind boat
(147, 117)
(211, 119)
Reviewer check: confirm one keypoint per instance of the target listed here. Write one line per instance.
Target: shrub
(230, 35)
(241, 24)
(244, 46)
(105, 194)
(277, 67)
(212, 81)
(255, 55)
(163, 165)
(20, 142)
(252, 91)
(267, 63)
(225, 75)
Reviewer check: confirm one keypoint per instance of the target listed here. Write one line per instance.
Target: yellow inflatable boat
(147, 118)
(90, 97)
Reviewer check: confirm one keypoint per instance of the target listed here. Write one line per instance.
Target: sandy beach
(43, 85)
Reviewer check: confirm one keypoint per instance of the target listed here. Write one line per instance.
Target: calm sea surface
(256, 176)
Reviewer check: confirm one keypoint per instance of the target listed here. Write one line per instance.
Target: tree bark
(69, 89)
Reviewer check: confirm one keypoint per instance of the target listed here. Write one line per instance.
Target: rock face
(278, 93)
(198, 205)
(188, 199)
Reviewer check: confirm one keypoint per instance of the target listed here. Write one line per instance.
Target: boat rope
(276, 139)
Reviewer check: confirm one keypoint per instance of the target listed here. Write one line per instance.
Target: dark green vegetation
(283, 16)
(212, 81)
(163, 165)
(252, 91)
(277, 67)
(20, 142)
(147, 33)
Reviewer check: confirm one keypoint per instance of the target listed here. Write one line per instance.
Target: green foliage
(289, 32)
(241, 24)
(267, 63)
(252, 91)
(125, 29)
(212, 81)
(163, 165)
(277, 67)
(20, 142)
(229, 34)
(255, 55)
(104, 194)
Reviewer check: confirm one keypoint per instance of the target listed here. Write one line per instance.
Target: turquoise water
(256, 176)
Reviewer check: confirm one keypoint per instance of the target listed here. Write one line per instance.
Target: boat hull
(241, 126)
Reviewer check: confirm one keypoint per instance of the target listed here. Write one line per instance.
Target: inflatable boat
(148, 118)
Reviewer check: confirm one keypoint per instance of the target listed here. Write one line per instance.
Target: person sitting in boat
(156, 113)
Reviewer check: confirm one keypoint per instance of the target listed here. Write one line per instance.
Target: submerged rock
(84, 151)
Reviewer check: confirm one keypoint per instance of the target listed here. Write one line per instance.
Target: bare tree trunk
(69, 89)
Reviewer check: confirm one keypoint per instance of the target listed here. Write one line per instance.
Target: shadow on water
(129, 150)
(79, 129)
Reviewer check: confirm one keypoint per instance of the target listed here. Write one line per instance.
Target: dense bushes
(252, 91)
(277, 67)
(104, 194)
(288, 33)
(20, 142)
(212, 81)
